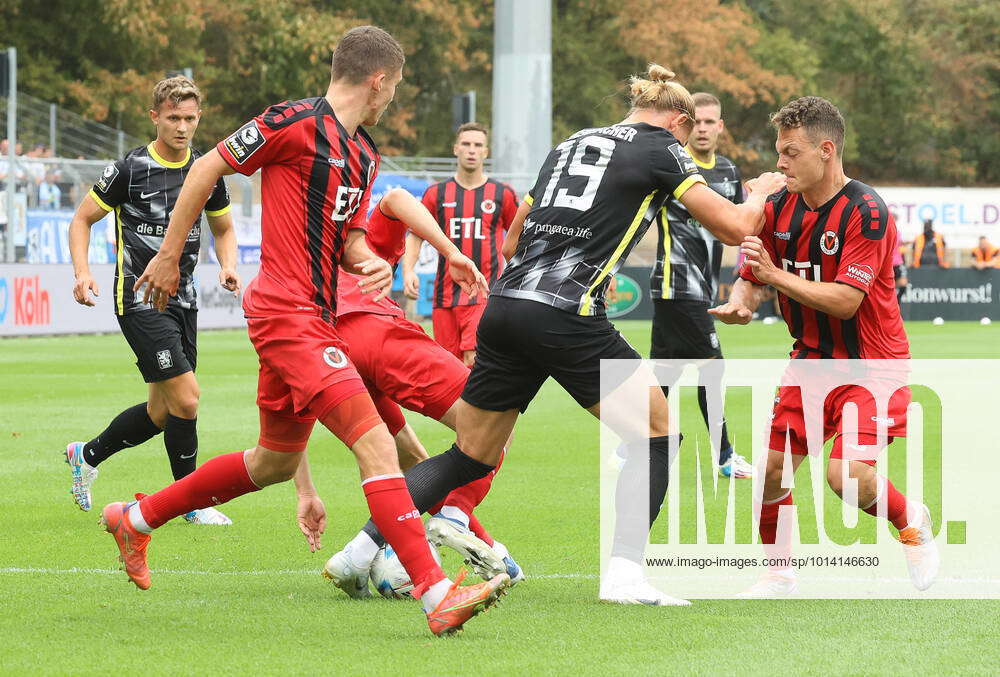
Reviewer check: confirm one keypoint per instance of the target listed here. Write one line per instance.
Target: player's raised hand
(767, 183)
(230, 280)
(311, 515)
(463, 271)
(756, 257)
(732, 313)
(376, 277)
(411, 284)
(85, 284)
(161, 277)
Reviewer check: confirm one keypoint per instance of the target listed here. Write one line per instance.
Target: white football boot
(348, 576)
(922, 556)
(625, 583)
(482, 558)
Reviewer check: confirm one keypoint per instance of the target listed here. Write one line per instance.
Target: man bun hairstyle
(818, 117)
(658, 91)
(175, 89)
(365, 50)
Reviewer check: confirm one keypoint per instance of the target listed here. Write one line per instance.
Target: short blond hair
(706, 99)
(175, 89)
(658, 91)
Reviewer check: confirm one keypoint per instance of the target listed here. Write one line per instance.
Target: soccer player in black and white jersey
(141, 189)
(596, 195)
(685, 280)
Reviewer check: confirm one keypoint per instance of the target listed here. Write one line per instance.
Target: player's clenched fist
(767, 183)
(756, 257)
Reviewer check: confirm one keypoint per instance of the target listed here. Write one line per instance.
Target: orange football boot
(463, 602)
(131, 543)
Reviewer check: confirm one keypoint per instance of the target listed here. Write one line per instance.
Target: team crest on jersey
(164, 359)
(335, 357)
(488, 206)
(683, 158)
(107, 177)
(829, 244)
(245, 141)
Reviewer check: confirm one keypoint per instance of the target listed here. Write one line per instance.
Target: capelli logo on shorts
(335, 357)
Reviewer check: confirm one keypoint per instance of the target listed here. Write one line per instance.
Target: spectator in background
(49, 194)
(986, 255)
(899, 267)
(929, 248)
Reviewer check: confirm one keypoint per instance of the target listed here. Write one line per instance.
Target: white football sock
(361, 550)
(434, 594)
(137, 520)
(453, 513)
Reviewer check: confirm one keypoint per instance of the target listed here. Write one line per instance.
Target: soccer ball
(937, 321)
(388, 575)
(985, 321)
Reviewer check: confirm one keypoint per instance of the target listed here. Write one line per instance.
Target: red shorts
(395, 358)
(304, 374)
(455, 328)
(788, 421)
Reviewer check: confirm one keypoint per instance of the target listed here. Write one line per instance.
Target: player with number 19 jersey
(596, 195)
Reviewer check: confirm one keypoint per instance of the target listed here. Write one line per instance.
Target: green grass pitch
(248, 598)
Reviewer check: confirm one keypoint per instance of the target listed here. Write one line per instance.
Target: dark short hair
(365, 50)
(472, 127)
(820, 118)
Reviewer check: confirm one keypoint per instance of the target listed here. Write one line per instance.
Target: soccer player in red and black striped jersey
(827, 247)
(475, 212)
(317, 166)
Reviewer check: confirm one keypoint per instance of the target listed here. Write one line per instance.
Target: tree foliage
(918, 80)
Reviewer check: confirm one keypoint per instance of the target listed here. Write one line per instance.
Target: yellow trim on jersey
(665, 226)
(687, 183)
(100, 203)
(167, 163)
(704, 165)
(120, 250)
(587, 300)
(530, 200)
(219, 212)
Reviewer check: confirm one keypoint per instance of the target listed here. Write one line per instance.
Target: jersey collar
(704, 165)
(167, 163)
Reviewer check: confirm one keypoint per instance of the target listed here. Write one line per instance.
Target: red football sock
(217, 481)
(399, 522)
(480, 531)
(895, 504)
(768, 529)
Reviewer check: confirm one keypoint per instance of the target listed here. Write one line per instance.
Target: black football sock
(180, 437)
(632, 521)
(128, 429)
(725, 449)
(431, 480)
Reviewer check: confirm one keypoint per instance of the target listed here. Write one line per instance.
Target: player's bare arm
(311, 513)
(87, 214)
(411, 282)
(376, 273)
(162, 274)
(400, 204)
(514, 232)
(743, 302)
(225, 251)
(833, 298)
(728, 222)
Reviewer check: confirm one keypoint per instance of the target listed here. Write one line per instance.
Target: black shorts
(683, 330)
(521, 343)
(165, 344)
(898, 271)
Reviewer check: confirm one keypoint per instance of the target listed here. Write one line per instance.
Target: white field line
(570, 576)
